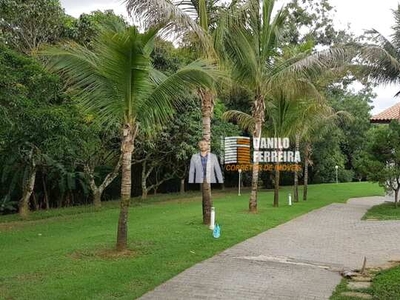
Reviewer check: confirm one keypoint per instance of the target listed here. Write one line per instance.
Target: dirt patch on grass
(196, 198)
(106, 254)
(20, 224)
(113, 254)
(175, 201)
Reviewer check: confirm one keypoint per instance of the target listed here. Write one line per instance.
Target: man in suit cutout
(204, 166)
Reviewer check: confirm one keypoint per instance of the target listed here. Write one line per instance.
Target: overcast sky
(361, 14)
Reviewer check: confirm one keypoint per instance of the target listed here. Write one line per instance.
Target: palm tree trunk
(27, 192)
(306, 160)
(258, 115)
(126, 185)
(254, 188)
(296, 174)
(206, 205)
(276, 190)
(207, 107)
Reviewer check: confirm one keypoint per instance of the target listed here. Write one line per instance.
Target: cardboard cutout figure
(204, 166)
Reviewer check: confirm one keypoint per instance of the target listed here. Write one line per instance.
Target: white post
(336, 168)
(290, 199)
(240, 172)
(212, 223)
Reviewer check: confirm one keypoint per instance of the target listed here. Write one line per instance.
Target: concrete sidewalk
(300, 259)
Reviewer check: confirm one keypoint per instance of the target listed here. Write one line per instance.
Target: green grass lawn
(384, 286)
(63, 254)
(385, 211)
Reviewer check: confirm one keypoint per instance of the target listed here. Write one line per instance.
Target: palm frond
(202, 13)
(396, 35)
(242, 55)
(243, 120)
(381, 40)
(272, 30)
(178, 15)
(66, 59)
(305, 64)
(168, 92)
(117, 82)
(380, 65)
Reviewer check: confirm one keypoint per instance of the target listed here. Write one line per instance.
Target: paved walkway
(300, 259)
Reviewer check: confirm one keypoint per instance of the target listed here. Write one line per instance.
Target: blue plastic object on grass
(217, 231)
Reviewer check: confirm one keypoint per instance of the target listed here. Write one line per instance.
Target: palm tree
(284, 116)
(319, 119)
(308, 131)
(313, 129)
(116, 82)
(310, 117)
(382, 59)
(186, 16)
(290, 113)
(251, 45)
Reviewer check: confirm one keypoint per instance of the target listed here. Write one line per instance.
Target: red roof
(392, 113)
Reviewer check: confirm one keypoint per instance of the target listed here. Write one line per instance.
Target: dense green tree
(41, 127)
(380, 160)
(84, 29)
(313, 20)
(325, 154)
(99, 150)
(347, 134)
(354, 130)
(27, 25)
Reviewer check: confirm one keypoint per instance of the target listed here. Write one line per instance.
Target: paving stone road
(300, 259)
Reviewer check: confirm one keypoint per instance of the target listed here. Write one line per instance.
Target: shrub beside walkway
(300, 259)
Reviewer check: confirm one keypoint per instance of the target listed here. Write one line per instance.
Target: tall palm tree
(250, 39)
(116, 82)
(181, 17)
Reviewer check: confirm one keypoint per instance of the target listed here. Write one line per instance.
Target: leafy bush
(6, 205)
(346, 175)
